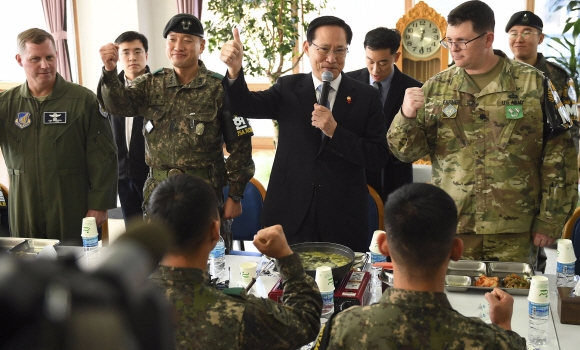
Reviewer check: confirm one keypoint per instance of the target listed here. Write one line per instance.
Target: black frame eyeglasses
(461, 45)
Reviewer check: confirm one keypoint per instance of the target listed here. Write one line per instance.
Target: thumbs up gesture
(232, 54)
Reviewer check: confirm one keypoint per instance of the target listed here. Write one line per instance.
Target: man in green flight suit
(498, 137)
(58, 148)
(186, 120)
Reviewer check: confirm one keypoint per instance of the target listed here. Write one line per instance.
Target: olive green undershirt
(481, 80)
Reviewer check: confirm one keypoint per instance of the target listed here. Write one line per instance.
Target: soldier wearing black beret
(525, 34)
(186, 121)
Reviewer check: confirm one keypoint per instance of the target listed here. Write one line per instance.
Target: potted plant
(569, 57)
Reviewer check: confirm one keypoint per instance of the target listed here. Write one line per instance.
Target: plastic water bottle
(538, 323)
(217, 261)
(327, 305)
(565, 274)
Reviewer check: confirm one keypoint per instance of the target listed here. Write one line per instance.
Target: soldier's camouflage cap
(184, 23)
(524, 18)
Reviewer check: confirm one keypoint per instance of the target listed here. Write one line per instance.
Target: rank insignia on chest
(514, 112)
(449, 111)
(54, 117)
(22, 120)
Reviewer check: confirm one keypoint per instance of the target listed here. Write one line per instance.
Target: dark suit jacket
(306, 165)
(396, 173)
(131, 161)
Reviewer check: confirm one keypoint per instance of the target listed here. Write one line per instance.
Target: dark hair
(187, 205)
(132, 35)
(421, 224)
(383, 38)
(477, 12)
(327, 21)
(35, 36)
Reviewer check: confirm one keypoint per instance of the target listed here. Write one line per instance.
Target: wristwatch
(236, 198)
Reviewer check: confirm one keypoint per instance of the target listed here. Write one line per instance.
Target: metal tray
(462, 274)
(32, 246)
(7, 243)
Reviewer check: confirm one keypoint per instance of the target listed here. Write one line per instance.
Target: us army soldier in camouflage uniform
(498, 137)
(207, 318)
(525, 34)
(186, 121)
(420, 221)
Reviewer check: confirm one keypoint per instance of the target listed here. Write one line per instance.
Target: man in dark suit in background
(381, 46)
(317, 189)
(128, 131)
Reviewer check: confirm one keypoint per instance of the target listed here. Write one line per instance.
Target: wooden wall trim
(77, 42)
(530, 5)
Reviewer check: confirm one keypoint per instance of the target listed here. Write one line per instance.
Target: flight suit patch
(54, 117)
(22, 120)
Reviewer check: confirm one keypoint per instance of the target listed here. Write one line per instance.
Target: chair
(570, 224)
(572, 232)
(4, 227)
(376, 213)
(246, 225)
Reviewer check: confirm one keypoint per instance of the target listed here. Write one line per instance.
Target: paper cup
(324, 279)
(565, 252)
(248, 271)
(374, 247)
(539, 290)
(89, 233)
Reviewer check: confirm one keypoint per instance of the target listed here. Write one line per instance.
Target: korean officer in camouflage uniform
(420, 221)
(58, 148)
(186, 121)
(525, 34)
(498, 137)
(207, 318)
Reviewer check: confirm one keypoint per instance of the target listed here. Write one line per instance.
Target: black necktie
(377, 85)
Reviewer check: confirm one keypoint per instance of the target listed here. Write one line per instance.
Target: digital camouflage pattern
(489, 152)
(209, 319)
(565, 88)
(58, 171)
(188, 127)
(415, 320)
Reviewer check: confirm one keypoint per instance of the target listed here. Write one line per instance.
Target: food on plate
(515, 281)
(488, 282)
(312, 260)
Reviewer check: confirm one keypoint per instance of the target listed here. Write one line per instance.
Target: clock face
(421, 38)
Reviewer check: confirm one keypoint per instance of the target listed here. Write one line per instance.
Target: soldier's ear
(540, 38)
(456, 249)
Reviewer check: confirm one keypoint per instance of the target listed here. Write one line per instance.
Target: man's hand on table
(100, 216)
(271, 242)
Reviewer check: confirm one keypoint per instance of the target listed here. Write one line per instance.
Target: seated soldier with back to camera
(207, 318)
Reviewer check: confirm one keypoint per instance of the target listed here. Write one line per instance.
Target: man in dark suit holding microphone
(317, 189)
(381, 53)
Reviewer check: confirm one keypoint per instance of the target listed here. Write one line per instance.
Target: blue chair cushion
(244, 253)
(246, 225)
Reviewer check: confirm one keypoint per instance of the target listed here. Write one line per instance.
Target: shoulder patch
(160, 70)
(233, 292)
(216, 75)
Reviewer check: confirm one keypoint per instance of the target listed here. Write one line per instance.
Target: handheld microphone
(326, 79)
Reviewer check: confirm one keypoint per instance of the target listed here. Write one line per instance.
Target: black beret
(184, 23)
(524, 18)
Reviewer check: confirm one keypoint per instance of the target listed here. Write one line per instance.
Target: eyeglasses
(323, 51)
(525, 34)
(129, 53)
(461, 45)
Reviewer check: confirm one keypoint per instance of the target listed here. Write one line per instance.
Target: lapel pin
(348, 99)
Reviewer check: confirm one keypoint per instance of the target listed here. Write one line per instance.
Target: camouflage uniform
(406, 319)
(209, 319)
(503, 173)
(188, 125)
(563, 83)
